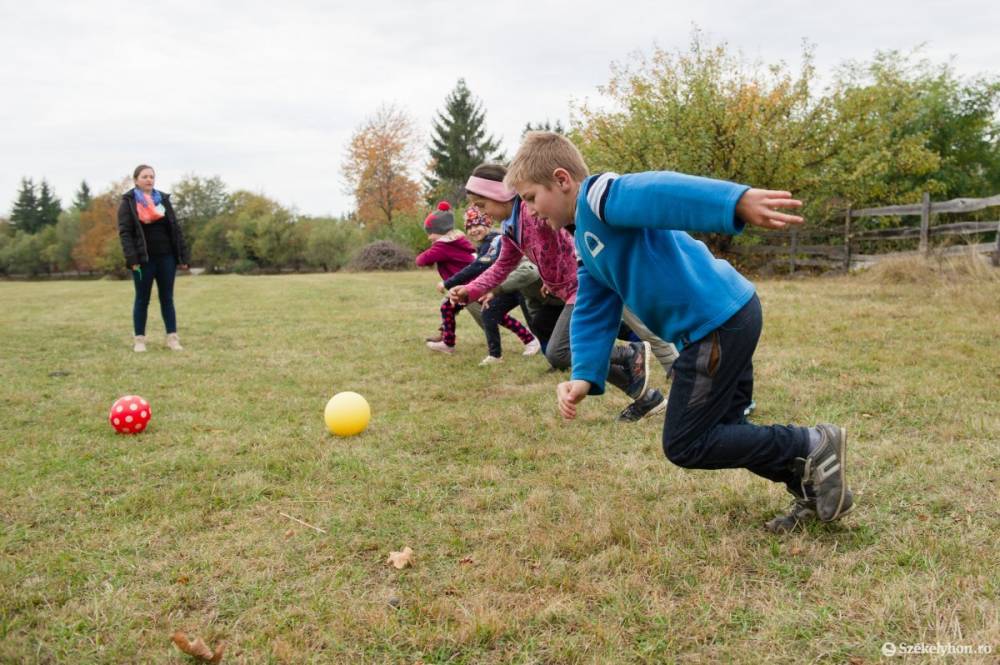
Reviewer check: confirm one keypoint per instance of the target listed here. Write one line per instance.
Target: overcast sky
(266, 94)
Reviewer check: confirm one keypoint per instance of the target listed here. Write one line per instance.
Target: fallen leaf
(795, 550)
(466, 559)
(289, 533)
(183, 579)
(856, 660)
(923, 518)
(197, 649)
(401, 559)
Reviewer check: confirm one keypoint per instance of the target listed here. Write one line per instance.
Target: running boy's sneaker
(825, 471)
(440, 346)
(801, 511)
(638, 369)
(751, 407)
(491, 360)
(650, 404)
(532, 347)
(436, 337)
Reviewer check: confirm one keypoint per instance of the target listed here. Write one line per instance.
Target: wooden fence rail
(794, 245)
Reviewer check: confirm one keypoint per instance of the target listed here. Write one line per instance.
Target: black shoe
(638, 369)
(650, 404)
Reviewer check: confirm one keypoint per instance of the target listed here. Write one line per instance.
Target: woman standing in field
(154, 248)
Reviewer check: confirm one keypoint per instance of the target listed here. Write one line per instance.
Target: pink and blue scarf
(150, 208)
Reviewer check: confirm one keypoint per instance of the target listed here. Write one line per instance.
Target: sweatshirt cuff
(596, 382)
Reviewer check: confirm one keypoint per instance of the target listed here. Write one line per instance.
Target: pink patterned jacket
(525, 235)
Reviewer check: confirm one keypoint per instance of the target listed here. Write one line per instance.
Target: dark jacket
(134, 239)
(486, 254)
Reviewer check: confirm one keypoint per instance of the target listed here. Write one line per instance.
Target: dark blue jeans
(712, 386)
(162, 270)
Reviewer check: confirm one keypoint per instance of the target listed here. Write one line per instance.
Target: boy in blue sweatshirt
(634, 250)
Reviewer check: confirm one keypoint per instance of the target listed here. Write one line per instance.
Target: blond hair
(540, 154)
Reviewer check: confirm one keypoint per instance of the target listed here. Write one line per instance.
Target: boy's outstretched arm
(759, 207)
(680, 202)
(592, 330)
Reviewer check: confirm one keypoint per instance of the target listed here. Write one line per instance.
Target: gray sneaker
(799, 512)
(825, 469)
(638, 369)
(650, 404)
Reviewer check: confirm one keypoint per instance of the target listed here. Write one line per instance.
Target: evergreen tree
(49, 206)
(459, 144)
(83, 197)
(25, 216)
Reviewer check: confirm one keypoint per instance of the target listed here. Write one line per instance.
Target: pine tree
(49, 206)
(83, 197)
(25, 216)
(459, 144)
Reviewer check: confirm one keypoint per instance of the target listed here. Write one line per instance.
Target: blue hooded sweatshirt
(634, 249)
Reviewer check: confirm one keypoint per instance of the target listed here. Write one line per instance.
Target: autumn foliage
(378, 165)
(99, 249)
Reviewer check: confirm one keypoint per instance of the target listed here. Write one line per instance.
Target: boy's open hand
(571, 393)
(458, 295)
(758, 207)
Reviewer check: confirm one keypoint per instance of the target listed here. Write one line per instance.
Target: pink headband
(490, 189)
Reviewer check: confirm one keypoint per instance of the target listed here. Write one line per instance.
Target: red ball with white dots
(130, 414)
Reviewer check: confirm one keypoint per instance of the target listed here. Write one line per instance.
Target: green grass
(586, 544)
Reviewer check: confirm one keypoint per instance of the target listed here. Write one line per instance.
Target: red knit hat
(441, 220)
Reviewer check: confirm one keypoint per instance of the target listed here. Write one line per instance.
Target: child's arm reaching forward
(509, 257)
(668, 200)
(592, 331)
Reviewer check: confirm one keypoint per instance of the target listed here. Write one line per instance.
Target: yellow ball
(347, 414)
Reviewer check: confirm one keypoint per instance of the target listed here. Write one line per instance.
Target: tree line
(879, 132)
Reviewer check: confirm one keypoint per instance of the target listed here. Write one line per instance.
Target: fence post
(793, 249)
(996, 252)
(925, 224)
(847, 240)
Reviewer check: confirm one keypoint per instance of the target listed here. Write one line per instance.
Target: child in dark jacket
(449, 252)
(495, 313)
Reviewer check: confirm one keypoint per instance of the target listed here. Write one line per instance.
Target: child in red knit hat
(450, 251)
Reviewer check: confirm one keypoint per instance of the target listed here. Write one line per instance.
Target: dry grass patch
(535, 541)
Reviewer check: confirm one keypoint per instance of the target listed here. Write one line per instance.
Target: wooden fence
(832, 248)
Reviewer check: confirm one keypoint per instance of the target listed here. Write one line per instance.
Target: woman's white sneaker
(139, 344)
(173, 343)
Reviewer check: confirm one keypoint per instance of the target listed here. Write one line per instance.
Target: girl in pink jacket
(449, 252)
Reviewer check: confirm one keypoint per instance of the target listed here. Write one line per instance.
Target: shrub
(383, 255)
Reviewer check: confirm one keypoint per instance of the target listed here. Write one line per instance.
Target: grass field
(536, 541)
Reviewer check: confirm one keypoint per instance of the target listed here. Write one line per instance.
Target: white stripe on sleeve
(597, 191)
